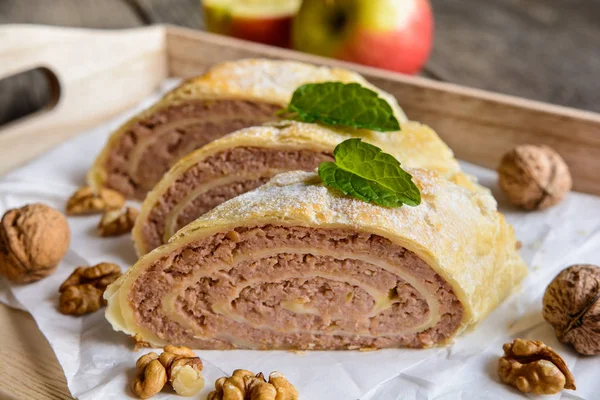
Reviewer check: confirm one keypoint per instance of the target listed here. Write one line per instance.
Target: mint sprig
(364, 171)
(337, 103)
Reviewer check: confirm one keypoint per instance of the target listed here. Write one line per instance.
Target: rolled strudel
(230, 96)
(295, 265)
(246, 159)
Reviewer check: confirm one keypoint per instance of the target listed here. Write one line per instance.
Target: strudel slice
(295, 265)
(230, 96)
(246, 159)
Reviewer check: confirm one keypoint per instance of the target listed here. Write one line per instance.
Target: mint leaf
(364, 171)
(337, 103)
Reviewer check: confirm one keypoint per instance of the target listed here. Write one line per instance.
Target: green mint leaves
(337, 103)
(360, 169)
(364, 171)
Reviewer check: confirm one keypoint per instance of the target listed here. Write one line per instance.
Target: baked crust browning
(228, 97)
(150, 146)
(243, 160)
(294, 265)
(216, 179)
(295, 288)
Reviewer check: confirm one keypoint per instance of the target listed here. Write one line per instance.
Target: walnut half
(184, 370)
(151, 376)
(87, 201)
(117, 222)
(178, 366)
(533, 367)
(243, 384)
(82, 292)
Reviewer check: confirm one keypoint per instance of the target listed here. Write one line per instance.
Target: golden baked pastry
(230, 96)
(246, 159)
(295, 265)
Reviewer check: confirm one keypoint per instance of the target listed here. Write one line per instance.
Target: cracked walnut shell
(572, 307)
(243, 384)
(81, 293)
(117, 222)
(534, 177)
(87, 201)
(533, 367)
(33, 241)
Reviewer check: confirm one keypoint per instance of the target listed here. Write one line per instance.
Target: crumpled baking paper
(99, 363)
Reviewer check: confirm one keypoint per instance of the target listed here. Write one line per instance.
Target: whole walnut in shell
(572, 307)
(534, 177)
(33, 240)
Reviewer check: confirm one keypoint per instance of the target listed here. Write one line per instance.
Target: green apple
(391, 34)
(264, 21)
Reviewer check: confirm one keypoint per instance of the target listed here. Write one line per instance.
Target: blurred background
(546, 50)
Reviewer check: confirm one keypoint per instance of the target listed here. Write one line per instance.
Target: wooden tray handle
(93, 75)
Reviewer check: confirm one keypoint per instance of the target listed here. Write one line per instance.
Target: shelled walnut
(82, 292)
(33, 241)
(117, 222)
(534, 177)
(533, 367)
(178, 366)
(184, 370)
(151, 376)
(139, 343)
(243, 384)
(87, 201)
(572, 307)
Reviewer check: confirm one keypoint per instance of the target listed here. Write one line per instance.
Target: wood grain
(479, 126)
(187, 13)
(539, 49)
(25, 94)
(546, 50)
(29, 369)
(100, 73)
(109, 14)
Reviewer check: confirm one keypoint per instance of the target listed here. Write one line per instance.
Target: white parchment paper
(99, 362)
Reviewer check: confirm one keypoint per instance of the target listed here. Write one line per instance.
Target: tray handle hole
(27, 94)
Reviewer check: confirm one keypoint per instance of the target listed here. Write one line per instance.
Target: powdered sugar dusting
(458, 231)
(272, 81)
(416, 146)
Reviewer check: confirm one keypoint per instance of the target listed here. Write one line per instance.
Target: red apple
(391, 34)
(264, 21)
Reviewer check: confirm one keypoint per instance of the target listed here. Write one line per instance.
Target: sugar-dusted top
(457, 232)
(273, 81)
(261, 80)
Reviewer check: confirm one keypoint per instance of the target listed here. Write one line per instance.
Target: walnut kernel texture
(81, 293)
(533, 367)
(243, 384)
(117, 222)
(177, 366)
(87, 201)
(151, 376)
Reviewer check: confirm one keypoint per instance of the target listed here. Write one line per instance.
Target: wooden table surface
(539, 49)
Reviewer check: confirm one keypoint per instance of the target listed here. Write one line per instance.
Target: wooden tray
(98, 74)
